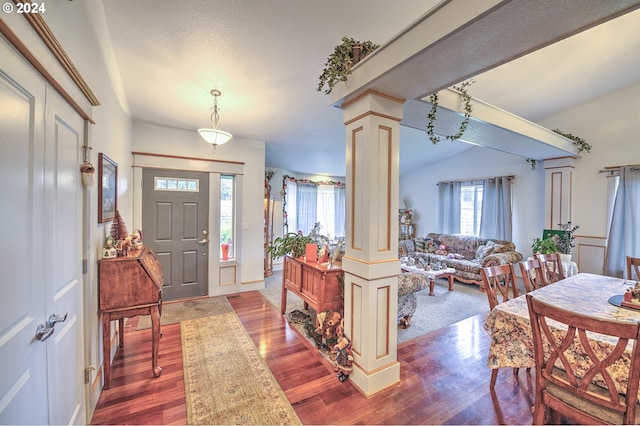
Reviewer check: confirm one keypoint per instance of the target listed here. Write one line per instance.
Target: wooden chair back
(566, 388)
(499, 281)
(633, 265)
(532, 274)
(551, 267)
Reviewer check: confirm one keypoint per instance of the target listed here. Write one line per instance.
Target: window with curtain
(480, 207)
(624, 239)
(309, 202)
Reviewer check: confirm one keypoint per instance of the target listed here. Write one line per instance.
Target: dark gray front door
(175, 210)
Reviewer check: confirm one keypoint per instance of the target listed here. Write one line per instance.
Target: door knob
(203, 241)
(43, 333)
(53, 319)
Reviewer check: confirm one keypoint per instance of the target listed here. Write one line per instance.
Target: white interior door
(40, 138)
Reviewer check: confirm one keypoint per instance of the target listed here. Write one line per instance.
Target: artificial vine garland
(578, 141)
(466, 98)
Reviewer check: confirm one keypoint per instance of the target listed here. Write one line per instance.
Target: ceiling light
(214, 136)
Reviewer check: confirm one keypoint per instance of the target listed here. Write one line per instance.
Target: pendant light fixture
(214, 136)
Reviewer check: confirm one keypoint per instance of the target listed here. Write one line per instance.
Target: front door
(175, 218)
(41, 377)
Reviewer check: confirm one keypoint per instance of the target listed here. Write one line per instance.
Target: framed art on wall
(107, 188)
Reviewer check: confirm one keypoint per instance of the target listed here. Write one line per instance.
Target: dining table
(509, 326)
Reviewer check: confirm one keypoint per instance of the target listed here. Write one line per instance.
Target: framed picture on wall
(107, 188)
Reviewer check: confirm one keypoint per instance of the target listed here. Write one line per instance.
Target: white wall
(610, 124)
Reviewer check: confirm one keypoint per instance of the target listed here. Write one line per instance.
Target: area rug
(432, 313)
(173, 313)
(226, 380)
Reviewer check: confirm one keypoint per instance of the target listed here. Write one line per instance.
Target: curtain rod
(614, 169)
(475, 179)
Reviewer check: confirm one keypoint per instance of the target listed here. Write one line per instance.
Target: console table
(130, 286)
(318, 285)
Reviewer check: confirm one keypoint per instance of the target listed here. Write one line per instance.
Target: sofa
(467, 254)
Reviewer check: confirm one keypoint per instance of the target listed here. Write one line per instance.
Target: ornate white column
(371, 262)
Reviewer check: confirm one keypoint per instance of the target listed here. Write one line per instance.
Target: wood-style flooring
(444, 378)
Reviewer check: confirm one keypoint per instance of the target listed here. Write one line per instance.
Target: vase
(225, 251)
(565, 258)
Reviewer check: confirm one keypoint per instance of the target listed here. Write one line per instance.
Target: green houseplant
(339, 63)
(544, 245)
(292, 243)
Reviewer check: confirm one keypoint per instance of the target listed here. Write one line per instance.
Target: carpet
(226, 380)
(173, 313)
(432, 313)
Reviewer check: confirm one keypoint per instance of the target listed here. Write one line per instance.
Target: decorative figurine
(109, 248)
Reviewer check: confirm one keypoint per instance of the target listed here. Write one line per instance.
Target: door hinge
(87, 374)
(85, 266)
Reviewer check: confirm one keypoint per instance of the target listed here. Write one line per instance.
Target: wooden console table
(318, 285)
(130, 286)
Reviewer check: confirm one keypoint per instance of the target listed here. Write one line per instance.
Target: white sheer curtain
(496, 221)
(308, 202)
(306, 205)
(449, 207)
(624, 235)
(291, 210)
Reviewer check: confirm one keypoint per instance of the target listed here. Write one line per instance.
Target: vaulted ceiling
(266, 56)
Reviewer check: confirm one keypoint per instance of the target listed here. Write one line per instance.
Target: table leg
(432, 284)
(155, 340)
(450, 282)
(106, 350)
(283, 300)
(121, 332)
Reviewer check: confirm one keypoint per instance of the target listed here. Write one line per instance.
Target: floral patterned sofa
(467, 254)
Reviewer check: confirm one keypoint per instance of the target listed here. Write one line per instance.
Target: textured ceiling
(266, 56)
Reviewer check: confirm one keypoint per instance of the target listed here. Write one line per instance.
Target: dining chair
(532, 274)
(551, 267)
(567, 388)
(633, 265)
(499, 281)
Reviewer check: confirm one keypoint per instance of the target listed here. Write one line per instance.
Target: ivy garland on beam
(468, 109)
(577, 141)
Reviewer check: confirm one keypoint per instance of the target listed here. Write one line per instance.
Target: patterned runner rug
(226, 380)
(173, 313)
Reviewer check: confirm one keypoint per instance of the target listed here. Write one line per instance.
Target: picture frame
(107, 188)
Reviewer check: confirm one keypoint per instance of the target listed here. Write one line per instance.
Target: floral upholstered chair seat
(409, 283)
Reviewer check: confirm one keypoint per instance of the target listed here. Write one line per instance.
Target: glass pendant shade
(215, 136)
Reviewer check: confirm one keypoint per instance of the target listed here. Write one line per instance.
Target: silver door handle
(203, 241)
(53, 319)
(43, 333)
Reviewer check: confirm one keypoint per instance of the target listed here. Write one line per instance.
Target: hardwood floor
(444, 378)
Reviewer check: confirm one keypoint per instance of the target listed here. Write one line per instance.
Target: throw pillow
(421, 245)
(432, 246)
(483, 251)
(500, 248)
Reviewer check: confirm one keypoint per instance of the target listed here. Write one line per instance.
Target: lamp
(214, 136)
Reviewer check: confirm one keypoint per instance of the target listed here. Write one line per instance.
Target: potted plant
(544, 246)
(564, 240)
(339, 63)
(292, 243)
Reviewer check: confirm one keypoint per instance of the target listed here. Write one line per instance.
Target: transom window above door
(176, 184)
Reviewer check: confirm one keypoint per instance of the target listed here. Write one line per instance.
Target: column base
(370, 383)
